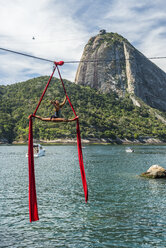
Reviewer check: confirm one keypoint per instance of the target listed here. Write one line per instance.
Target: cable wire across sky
(69, 62)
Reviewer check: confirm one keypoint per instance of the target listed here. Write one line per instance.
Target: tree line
(101, 115)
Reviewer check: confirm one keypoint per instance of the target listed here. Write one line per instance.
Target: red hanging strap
(33, 211)
(41, 98)
(66, 92)
(80, 157)
(79, 146)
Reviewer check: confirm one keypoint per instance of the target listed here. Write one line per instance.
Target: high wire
(70, 62)
(27, 55)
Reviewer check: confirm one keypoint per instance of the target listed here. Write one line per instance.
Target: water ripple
(124, 210)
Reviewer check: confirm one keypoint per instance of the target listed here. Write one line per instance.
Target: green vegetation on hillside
(101, 115)
(110, 38)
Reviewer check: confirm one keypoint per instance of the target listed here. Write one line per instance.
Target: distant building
(102, 31)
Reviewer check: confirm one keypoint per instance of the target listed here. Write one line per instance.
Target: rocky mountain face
(112, 63)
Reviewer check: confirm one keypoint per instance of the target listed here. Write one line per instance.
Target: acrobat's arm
(63, 103)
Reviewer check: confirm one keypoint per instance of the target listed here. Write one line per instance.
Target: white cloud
(62, 28)
(142, 23)
(57, 37)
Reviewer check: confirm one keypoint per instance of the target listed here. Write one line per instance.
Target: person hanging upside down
(57, 116)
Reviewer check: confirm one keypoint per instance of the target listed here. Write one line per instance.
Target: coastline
(93, 141)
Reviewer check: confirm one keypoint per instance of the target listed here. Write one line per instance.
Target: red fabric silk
(82, 170)
(45, 90)
(66, 92)
(33, 211)
(79, 146)
(59, 63)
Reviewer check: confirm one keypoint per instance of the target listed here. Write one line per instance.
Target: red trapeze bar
(33, 210)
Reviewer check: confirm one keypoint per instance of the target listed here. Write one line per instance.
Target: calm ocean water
(124, 210)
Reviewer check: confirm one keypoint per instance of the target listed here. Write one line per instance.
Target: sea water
(124, 210)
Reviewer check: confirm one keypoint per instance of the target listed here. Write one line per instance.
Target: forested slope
(101, 115)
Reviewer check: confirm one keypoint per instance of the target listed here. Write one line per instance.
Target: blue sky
(62, 29)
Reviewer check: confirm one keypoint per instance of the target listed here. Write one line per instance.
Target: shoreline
(93, 141)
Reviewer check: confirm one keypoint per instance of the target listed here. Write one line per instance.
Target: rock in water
(118, 66)
(155, 171)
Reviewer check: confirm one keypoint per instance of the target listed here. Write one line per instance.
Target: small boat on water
(38, 151)
(128, 149)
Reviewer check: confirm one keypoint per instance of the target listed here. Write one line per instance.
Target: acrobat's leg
(73, 119)
(41, 118)
(38, 117)
(61, 120)
(69, 120)
(58, 120)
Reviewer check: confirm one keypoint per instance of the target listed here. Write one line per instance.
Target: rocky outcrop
(106, 72)
(144, 79)
(113, 64)
(155, 171)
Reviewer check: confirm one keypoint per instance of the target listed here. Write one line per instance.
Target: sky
(59, 30)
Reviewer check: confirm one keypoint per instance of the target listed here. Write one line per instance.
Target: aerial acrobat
(57, 116)
(33, 209)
